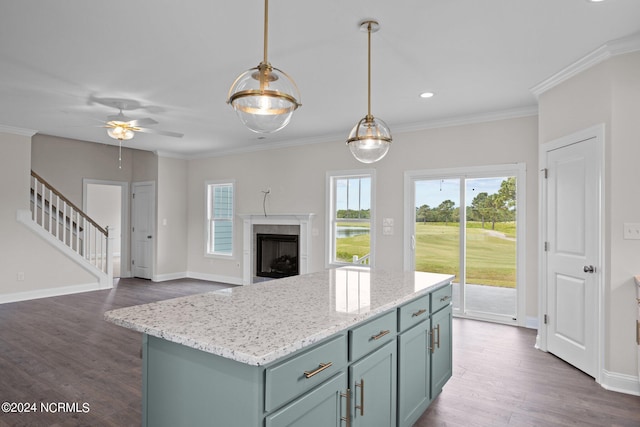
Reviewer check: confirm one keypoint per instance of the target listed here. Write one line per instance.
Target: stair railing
(57, 215)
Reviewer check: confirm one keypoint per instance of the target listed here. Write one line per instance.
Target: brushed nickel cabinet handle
(321, 368)
(347, 418)
(361, 405)
(380, 335)
(444, 298)
(438, 329)
(419, 312)
(432, 347)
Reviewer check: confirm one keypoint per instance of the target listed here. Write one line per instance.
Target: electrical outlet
(631, 231)
(20, 276)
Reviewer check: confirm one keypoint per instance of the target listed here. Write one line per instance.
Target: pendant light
(264, 97)
(370, 139)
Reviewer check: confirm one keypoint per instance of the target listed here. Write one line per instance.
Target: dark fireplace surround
(277, 255)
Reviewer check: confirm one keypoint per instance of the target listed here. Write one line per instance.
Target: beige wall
(171, 244)
(297, 178)
(22, 251)
(609, 93)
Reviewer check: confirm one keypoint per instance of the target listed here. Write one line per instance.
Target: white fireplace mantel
(249, 220)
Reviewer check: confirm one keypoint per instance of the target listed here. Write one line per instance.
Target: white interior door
(143, 229)
(572, 253)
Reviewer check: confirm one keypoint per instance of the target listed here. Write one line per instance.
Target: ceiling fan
(122, 128)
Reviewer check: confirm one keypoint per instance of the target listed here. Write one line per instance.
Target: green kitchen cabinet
(372, 381)
(324, 406)
(414, 376)
(442, 351)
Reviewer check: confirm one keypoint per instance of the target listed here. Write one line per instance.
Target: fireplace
(297, 225)
(277, 255)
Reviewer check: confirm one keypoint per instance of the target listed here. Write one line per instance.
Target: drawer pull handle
(321, 368)
(380, 335)
(419, 312)
(361, 405)
(444, 298)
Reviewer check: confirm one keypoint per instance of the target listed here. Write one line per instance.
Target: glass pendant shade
(264, 98)
(122, 133)
(369, 140)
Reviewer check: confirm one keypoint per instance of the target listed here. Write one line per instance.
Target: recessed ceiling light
(426, 94)
(594, 1)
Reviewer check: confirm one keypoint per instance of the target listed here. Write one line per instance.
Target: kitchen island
(348, 346)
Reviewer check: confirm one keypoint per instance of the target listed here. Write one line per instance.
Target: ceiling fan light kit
(120, 131)
(264, 97)
(370, 138)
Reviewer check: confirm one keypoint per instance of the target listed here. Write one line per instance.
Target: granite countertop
(259, 323)
(638, 280)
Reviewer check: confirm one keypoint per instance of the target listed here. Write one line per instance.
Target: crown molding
(402, 128)
(608, 50)
(17, 131)
(171, 155)
(492, 116)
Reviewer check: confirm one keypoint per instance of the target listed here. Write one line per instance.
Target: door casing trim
(597, 132)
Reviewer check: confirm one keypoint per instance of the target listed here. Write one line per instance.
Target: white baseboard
(52, 292)
(621, 383)
(200, 276)
(169, 276)
(215, 278)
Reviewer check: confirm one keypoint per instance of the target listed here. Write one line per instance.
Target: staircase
(66, 227)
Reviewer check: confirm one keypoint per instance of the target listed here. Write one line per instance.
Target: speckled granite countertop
(257, 324)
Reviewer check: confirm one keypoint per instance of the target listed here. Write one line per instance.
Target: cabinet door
(414, 379)
(321, 407)
(372, 381)
(441, 358)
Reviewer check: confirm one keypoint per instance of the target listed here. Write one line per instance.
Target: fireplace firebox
(277, 255)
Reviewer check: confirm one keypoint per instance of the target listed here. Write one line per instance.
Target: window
(220, 209)
(350, 217)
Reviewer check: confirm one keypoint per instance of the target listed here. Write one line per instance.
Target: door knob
(589, 269)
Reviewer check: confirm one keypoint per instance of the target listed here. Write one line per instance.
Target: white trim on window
(330, 206)
(229, 218)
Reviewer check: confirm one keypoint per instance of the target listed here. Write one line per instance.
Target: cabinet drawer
(413, 313)
(366, 338)
(441, 298)
(304, 371)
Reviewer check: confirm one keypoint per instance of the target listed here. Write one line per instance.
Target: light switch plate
(387, 222)
(631, 231)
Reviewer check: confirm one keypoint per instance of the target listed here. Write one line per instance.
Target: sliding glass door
(467, 224)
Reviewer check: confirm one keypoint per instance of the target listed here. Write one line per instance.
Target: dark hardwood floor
(500, 379)
(61, 350)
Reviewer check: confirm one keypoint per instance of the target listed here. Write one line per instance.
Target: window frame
(208, 243)
(330, 238)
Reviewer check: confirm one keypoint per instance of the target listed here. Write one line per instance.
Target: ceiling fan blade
(142, 122)
(160, 132)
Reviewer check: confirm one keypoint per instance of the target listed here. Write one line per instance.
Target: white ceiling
(62, 61)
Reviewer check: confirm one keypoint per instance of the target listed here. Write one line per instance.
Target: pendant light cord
(266, 28)
(369, 71)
